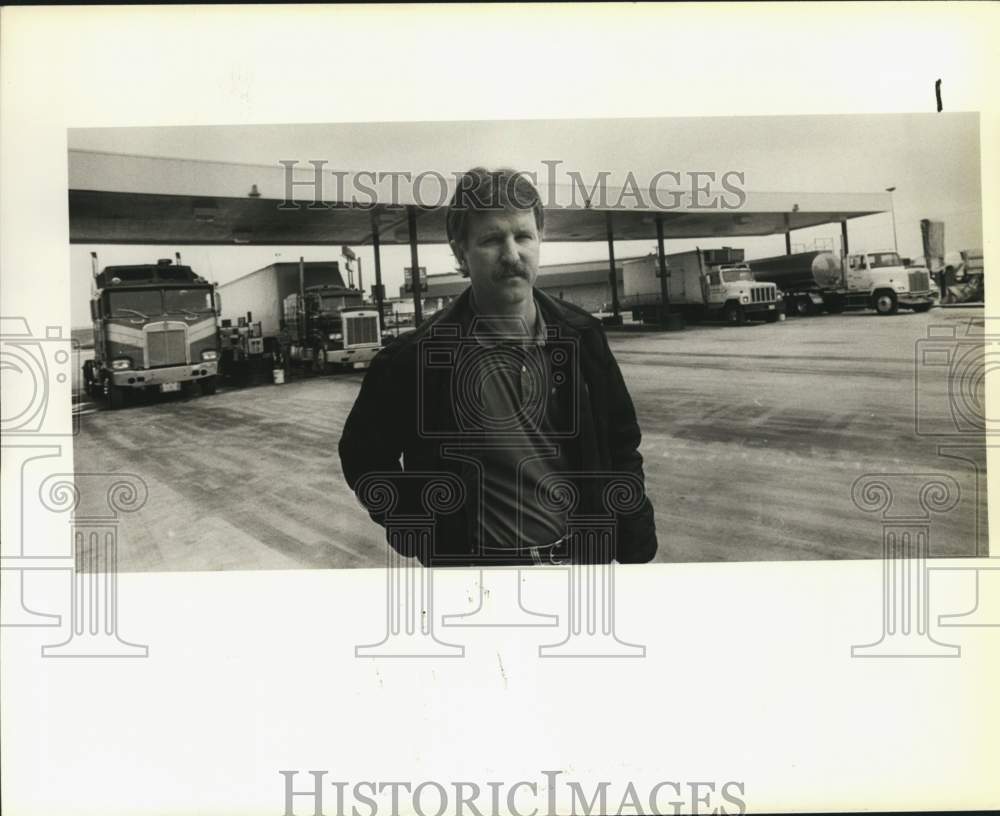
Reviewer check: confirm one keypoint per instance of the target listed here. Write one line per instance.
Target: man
(512, 392)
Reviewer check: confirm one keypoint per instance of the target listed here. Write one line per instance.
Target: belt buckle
(536, 555)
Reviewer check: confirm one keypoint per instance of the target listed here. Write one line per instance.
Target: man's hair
(480, 190)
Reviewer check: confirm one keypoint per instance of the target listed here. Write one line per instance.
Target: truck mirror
(218, 303)
(93, 310)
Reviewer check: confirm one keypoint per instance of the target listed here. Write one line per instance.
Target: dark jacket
(406, 408)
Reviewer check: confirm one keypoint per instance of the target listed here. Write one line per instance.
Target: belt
(540, 554)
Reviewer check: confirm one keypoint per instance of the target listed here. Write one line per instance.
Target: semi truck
(297, 314)
(154, 329)
(813, 282)
(700, 283)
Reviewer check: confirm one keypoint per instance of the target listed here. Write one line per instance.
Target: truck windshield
(335, 303)
(878, 260)
(140, 303)
(738, 274)
(191, 301)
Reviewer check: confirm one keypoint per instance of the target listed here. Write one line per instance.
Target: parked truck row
(163, 327)
(160, 327)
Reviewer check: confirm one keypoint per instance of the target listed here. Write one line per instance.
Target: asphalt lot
(752, 436)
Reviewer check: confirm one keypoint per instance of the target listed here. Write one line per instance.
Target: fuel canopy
(128, 199)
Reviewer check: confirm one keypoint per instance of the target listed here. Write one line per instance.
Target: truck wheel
(885, 303)
(88, 378)
(804, 307)
(114, 395)
(773, 317)
(921, 307)
(734, 314)
(319, 361)
(207, 386)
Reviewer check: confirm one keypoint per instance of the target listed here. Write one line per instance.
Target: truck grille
(360, 330)
(166, 347)
(919, 282)
(763, 294)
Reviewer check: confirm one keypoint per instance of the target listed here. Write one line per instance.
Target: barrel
(800, 272)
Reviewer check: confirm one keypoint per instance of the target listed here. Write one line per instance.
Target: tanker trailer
(810, 281)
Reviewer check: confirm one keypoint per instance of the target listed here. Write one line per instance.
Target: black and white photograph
(780, 325)
(499, 410)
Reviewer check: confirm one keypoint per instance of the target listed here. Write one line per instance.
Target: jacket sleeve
(637, 531)
(373, 435)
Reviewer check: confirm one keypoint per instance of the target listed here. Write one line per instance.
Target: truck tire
(319, 361)
(207, 386)
(804, 307)
(921, 307)
(773, 317)
(733, 314)
(884, 302)
(113, 394)
(89, 381)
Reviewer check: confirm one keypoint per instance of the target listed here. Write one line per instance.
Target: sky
(933, 161)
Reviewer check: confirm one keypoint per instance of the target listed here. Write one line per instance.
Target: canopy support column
(661, 257)
(612, 273)
(411, 219)
(379, 291)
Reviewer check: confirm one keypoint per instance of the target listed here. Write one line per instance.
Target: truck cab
(154, 329)
(887, 283)
(330, 325)
(733, 289)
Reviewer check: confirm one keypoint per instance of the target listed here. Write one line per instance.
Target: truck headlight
(121, 364)
(208, 355)
(336, 336)
(744, 299)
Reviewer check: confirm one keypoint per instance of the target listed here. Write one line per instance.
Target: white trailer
(701, 283)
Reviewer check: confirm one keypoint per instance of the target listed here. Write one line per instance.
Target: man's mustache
(509, 270)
